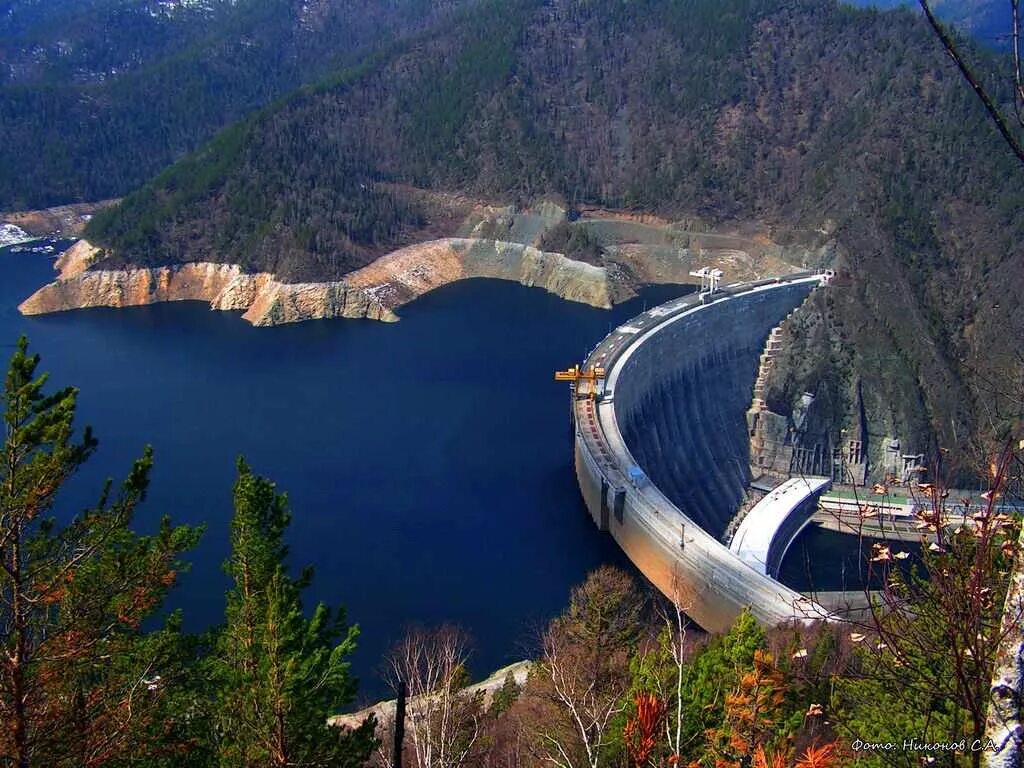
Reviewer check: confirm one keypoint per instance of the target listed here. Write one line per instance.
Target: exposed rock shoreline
(384, 711)
(373, 292)
(502, 243)
(59, 221)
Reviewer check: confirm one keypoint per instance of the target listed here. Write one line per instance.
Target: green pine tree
(505, 696)
(81, 684)
(279, 674)
(714, 672)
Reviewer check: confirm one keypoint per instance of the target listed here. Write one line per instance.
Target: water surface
(428, 462)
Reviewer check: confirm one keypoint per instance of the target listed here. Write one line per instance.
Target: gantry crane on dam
(576, 376)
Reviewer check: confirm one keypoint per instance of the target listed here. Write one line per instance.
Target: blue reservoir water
(428, 462)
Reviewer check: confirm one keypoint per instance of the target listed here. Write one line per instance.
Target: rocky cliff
(374, 291)
(78, 258)
(79, 287)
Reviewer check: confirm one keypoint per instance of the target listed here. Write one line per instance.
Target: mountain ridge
(802, 115)
(988, 21)
(97, 96)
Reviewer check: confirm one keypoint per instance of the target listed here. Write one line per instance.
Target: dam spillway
(662, 449)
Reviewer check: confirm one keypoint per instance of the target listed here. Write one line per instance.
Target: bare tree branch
(443, 720)
(994, 112)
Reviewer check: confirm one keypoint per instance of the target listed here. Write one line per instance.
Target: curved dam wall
(682, 397)
(662, 452)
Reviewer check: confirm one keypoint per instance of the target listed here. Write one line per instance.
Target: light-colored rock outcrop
(374, 291)
(78, 258)
(493, 242)
(402, 275)
(133, 287)
(278, 303)
(384, 711)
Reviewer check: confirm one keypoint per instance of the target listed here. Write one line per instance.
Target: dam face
(662, 452)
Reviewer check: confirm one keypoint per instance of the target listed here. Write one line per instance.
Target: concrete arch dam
(662, 449)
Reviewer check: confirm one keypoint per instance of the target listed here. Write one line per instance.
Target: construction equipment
(576, 375)
(709, 280)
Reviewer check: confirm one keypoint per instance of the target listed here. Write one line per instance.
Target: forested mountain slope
(805, 114)
(96, 96)
(988, 21)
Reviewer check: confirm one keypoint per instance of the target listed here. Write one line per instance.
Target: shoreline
(373, 292)
(378, 289)
(505, 243)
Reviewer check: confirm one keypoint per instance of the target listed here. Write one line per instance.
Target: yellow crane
(576, 374)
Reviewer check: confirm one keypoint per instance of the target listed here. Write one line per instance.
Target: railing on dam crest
(665, 362)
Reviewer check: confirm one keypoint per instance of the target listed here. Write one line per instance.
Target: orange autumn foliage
(642, 730)
(752, 714)
(823, 756)
(763, 760)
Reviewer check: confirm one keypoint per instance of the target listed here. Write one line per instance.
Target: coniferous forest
(807, 115)
(97, 96)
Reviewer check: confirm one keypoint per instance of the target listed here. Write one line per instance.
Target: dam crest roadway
(662, 452)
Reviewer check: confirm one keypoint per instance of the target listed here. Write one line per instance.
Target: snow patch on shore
(12, 235)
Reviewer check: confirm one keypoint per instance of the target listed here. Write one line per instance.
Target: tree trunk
(1004, 726)
(20, 724)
